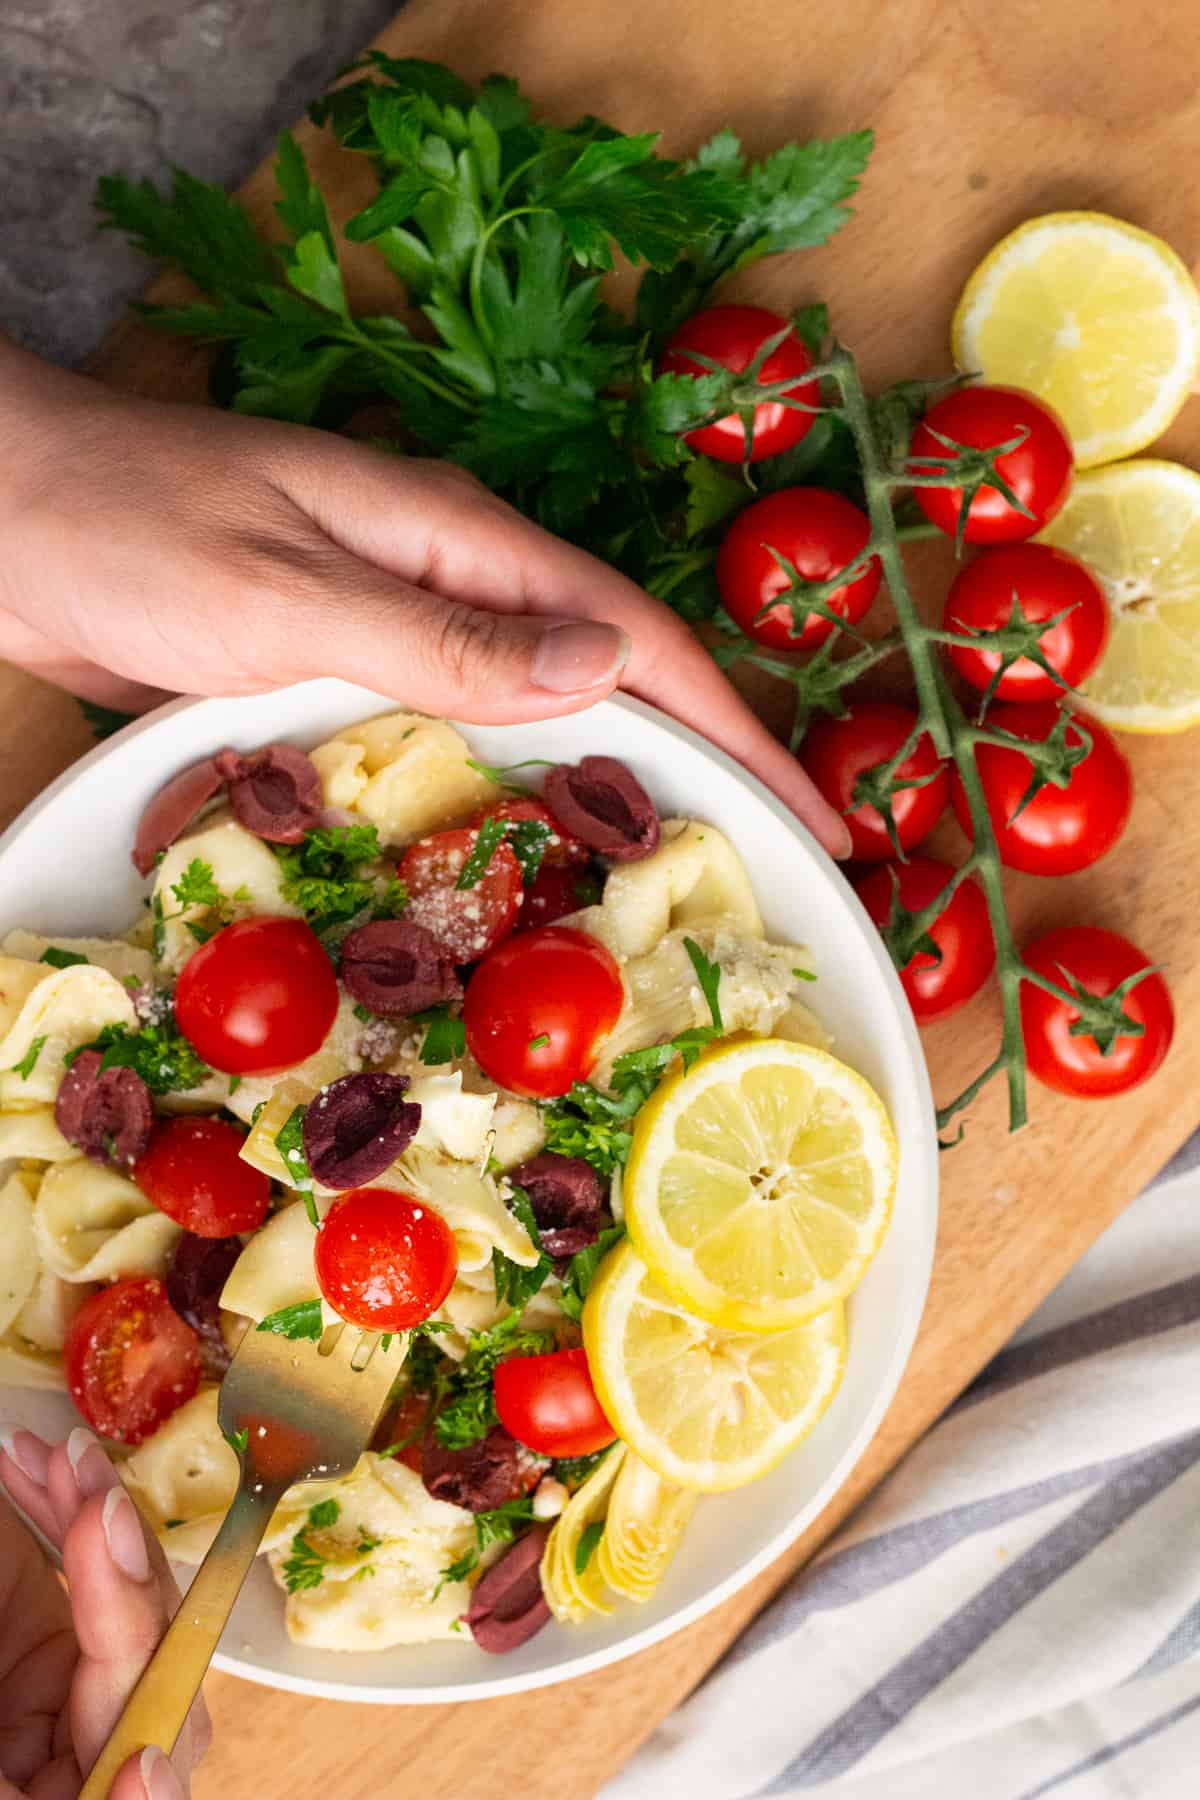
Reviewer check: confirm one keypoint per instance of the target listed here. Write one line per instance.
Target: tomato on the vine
(548, 1404)
(732, 336)
(193, 1171)
(837, 751)
(259, 997)
(1099, 961)
(467, 922)
(383, 1260)
(561, 846)
(821, 534)
(536, 1009)
(1044, 582)
(1038, 469)
(131, 1361)
(1061, 829)
(962, 932)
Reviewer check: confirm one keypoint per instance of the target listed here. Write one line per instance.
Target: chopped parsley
(159, 1053)
(363, 1014)
(365, 1543)
(471, 1409)
(526, 837)
(445, 1035)
(515, 1284)
(500, 1526)
(708, 974)
(324, 876)
(540, 1041)
(574, 1470)
(804, 975)
(26, 1066)
(237, 1440)
(235, 1082)
(581, 1271)
(289, 1141)
(324, 1514)
(589, 1537)
(489, 838)
(305, 1567)
(196, 887)
(500, 775)
(303, 1320)
(62, 959)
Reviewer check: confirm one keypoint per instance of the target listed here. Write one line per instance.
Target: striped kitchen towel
(1016, 1611)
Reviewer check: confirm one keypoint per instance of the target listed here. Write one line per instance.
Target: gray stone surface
(93, 86)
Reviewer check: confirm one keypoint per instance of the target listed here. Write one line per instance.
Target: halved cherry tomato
(1100, 961)
(259, 997)
(404, 1424)
(467, 922)
(837, 751)
(1038, 470)
(732, 336)
(193, 1171)
(558, 890)
(1061, 829)
(536, 1009)
(820, 534)
(1044, 582)
(962, 932)
(548, 1404)
(384, 1260)
(130, 1359)
(561, 846)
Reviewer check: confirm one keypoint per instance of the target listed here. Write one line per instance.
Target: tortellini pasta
(91, 1224)
(276, 1267)
(61, 1010)
(128, 962)
(20, 1267)
(245, 870)
(407, 775)
(33, 1136)
(694, 878)
(184, 1477)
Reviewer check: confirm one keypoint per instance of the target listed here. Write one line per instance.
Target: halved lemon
(759, 1184)
(703, 1407)
(1137, 526)
(1096, 317)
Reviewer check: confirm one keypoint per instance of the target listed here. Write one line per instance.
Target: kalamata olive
(199, 1270)
(508, 1606)
(172, 810)
(602, 803)
(276, 792)
(357, 1127)
(396, 967)
(108, 1116)
(480, 1476)
(567, 1196)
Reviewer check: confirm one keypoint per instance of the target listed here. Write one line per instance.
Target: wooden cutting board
(981, 119)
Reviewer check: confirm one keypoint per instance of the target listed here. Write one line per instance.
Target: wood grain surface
(1084, 106)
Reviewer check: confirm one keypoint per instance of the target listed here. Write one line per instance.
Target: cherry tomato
(384, 1260)
(404, 1423)
(732, 336)
(558, 890)
(1038, 471)
(837, 751)
(820, 534)
(1061, 829)
(548, 1404)
(1045, 582)
(962, 932)
(537, 1008)
(1099, 961)
(130, 1359)
(258, 998)
(193, 1171)
(467, 922)
(561, 846)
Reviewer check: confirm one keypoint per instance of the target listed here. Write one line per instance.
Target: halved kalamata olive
(603, 803)
(276, 792)
(172, 810)
(480, 1476)
(199, 1270)
(567, 1196)
(395, 967)
(108, 1116)
(357, 1127)
(508, 1605)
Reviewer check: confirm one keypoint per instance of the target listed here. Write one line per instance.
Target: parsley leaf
(592, 1125)
(526, 837)
(28, 1062)
(708, 974)
(324, 1514)
(582, 1269)
(237, 1440)
(62, 959)
(323, 876)
(499, 1526)
(289, 1141)
(574, 1470)
(470, 1411)
(445, 1035)
(197, 886)
(305, 1567)
(589, 1537)
(158, 1052)
(303, 1320)
(516, 1285)
(490, 836)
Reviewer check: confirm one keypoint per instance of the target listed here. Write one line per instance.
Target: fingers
(149, 1776)
(24, 1465)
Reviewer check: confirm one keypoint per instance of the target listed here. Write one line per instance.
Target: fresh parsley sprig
(516, 1285)
(158, 1052)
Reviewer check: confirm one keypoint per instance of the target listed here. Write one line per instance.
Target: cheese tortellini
(407, 775)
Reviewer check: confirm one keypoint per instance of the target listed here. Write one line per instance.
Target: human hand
(151, 547)
(69, 1661)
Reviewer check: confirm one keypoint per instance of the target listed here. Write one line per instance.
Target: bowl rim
(922, 1227)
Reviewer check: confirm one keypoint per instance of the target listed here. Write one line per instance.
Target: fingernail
(158, 1777)
(93, 1472)
(579, 654)
(123, 1530)
(28, 1452)
(844, 843)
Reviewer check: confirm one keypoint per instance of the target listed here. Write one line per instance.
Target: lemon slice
(759, 1184)
(1096, 317)
(704, 1408)
(1137, 526)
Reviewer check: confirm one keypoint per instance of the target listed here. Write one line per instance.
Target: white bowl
(65, 868)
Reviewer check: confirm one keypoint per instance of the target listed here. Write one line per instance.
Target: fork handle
(158, 1706)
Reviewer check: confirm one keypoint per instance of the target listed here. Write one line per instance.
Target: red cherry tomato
(548, 1404)
(537, 1008)
(1038, 471)
(257, 998)
(467, 922)
(384, 1260)
(193, 1172)
(1045, 582)
(130, 1359)
(1061, 829)
(558, 890)
(1099, 961)
(732, 336)
(962, 932)
(404, 1424)
(837, 751)
(561, 846)
(820, 534)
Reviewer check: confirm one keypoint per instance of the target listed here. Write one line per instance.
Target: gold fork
(299, 1410)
